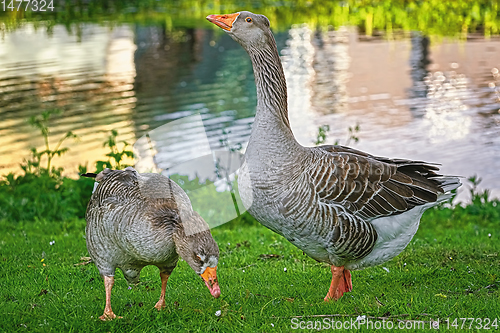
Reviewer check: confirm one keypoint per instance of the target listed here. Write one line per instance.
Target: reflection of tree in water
(161, 59)
(419, 60)
(297, 58)
(316, 68)
(331, 63)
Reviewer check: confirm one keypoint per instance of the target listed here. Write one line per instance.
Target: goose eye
(248, 19)
(199, 258)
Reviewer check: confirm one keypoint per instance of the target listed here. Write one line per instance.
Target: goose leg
(345, 284)
(338, 281)
(161, 303)
(109, 281)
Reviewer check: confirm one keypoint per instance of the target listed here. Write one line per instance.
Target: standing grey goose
(135, 220)
(339, 205)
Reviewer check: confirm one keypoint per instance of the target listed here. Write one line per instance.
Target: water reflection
(331, 67)
(419, 60)
(88, 76)
(445, 111)
(413, 97)
(297, 59)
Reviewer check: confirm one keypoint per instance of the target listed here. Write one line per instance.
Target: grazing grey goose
(339, 205)
(135, 220)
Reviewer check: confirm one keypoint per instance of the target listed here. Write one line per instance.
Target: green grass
(449, 270)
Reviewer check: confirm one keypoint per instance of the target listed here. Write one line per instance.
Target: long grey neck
(271, 123)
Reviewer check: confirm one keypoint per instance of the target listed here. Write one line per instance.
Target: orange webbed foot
(341, 283)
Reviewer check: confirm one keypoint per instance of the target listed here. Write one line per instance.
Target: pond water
(413, 96)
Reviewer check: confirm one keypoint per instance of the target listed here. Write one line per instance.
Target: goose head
(201, 253)
(250, 30)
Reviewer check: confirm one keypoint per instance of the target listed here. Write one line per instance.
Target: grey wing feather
(382, 186)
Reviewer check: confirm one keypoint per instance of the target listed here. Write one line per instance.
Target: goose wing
(116, 188)
(371, 187)
(124, 190)
(154, 197)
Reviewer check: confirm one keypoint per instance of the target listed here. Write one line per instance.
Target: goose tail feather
(88, 175)
(449, 183)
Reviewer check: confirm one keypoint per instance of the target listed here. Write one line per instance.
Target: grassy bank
(435, 17)
(450, 270)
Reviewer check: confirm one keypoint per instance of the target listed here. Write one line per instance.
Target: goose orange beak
(210, 278)
(224, 21)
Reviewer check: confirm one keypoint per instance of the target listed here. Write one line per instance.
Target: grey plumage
(339, 205)
(135, 220)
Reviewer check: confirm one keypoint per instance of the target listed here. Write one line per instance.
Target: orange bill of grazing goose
(135, 220)
(339, 205)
